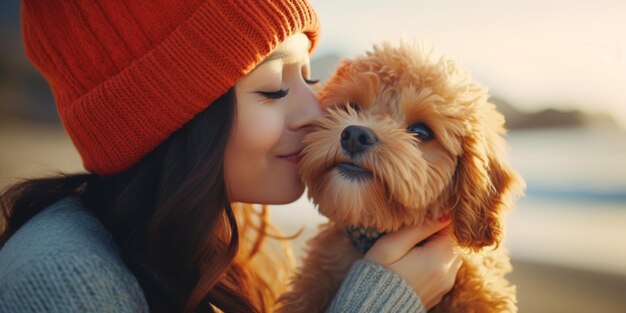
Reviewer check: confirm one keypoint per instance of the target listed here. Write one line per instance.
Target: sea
(573, 212)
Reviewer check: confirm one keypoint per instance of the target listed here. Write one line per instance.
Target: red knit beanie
(126, 74)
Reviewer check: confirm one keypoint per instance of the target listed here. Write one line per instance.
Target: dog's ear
(484, 184)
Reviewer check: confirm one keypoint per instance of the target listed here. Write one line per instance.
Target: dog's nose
(355, 139)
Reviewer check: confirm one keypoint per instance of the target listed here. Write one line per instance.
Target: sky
(533, 54)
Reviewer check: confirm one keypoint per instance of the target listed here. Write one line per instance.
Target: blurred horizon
(556, 69)
(555, 62)
(535, 55)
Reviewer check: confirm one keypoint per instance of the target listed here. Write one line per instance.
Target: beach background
(556, 69)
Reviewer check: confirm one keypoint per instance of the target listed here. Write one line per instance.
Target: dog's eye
(421, 131)
(353, 105)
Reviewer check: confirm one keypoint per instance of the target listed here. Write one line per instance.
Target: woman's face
(275, 108)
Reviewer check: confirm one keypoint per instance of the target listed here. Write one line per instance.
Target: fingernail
(444, 218)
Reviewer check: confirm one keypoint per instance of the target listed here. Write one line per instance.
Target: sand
(548, 279)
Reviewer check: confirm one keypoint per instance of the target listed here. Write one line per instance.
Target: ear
(485, 185)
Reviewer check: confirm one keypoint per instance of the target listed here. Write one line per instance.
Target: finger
(453, 271)
(456, 264)
(440, 269)
(393, 246)
(440, 244)
(446, 232)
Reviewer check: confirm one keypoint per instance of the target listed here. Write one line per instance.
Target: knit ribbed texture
(63, 260)
(370, 287)
(126, 74)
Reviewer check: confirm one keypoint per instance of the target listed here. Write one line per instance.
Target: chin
(278, 193)
(290, 195)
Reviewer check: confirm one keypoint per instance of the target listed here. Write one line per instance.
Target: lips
(292, 157)
(353, 171)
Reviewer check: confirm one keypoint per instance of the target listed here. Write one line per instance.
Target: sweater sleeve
(83, 283)
(370, 287)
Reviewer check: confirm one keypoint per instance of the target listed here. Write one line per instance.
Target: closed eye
(311, 81)
(274, 94)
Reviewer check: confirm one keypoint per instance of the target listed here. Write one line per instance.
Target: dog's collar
(363, 238)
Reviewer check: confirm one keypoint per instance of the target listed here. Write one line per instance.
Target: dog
(406, 138)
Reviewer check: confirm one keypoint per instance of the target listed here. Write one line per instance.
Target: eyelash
(312, 81)
(274, 95)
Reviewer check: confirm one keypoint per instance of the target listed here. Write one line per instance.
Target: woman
(180, 109)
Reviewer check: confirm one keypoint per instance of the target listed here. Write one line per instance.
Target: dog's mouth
(353, 171)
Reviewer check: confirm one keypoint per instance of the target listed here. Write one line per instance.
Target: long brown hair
(172, 220)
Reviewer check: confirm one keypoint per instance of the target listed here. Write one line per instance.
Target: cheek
(257, 127)
(251, 163)
(256, 132)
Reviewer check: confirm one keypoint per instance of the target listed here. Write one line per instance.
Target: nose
(356, 139)
(306, 111)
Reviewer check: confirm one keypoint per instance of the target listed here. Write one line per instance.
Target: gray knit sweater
(64, 260)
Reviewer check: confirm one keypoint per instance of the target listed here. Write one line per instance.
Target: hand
(430, 268)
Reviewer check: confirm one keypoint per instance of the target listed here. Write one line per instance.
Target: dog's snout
(355, 139)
